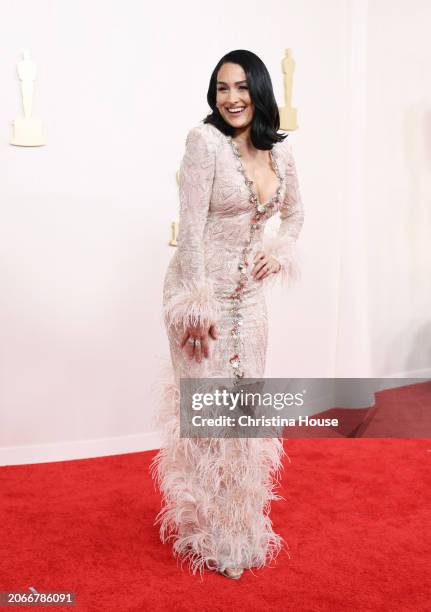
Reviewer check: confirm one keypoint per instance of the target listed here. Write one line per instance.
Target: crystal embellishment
(260, 209)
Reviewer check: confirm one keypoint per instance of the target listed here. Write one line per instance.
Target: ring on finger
(191, 340)
(197, 342)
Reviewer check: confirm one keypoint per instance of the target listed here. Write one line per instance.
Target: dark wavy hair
(266, 118)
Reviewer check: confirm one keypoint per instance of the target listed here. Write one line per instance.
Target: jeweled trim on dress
(260, 213)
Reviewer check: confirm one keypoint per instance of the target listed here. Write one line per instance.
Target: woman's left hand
(264, 265)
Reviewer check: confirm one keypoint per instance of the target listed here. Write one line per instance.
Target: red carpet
(356, 517)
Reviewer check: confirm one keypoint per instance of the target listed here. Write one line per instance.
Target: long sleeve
(282, 246)
(194, 303)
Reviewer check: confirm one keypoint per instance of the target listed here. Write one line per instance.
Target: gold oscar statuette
(27, 131)
(288, 119)
(174, 234)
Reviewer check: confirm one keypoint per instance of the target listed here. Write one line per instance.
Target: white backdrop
(86, 219)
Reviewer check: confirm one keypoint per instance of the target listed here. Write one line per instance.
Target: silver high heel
(234, 573)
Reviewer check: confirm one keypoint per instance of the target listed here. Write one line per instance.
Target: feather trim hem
(216, 496)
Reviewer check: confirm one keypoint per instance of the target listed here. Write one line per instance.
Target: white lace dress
(217, 492)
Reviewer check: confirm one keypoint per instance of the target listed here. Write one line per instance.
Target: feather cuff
(191, 305)
(284, 250)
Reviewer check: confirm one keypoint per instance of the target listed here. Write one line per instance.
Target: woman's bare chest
(234, 171)
(263, 175)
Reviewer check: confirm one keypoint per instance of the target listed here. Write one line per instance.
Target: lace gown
(216, 491)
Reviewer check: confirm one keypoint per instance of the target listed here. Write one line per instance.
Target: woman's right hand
(195, 340)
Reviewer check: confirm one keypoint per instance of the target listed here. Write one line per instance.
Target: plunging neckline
(251, 183)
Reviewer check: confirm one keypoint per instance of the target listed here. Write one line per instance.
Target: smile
(236, 111)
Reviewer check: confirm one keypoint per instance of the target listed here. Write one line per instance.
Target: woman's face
(233, 93)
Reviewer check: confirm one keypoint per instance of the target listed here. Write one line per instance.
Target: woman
(236, 173)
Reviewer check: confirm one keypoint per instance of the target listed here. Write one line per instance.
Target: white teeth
(236, 110)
